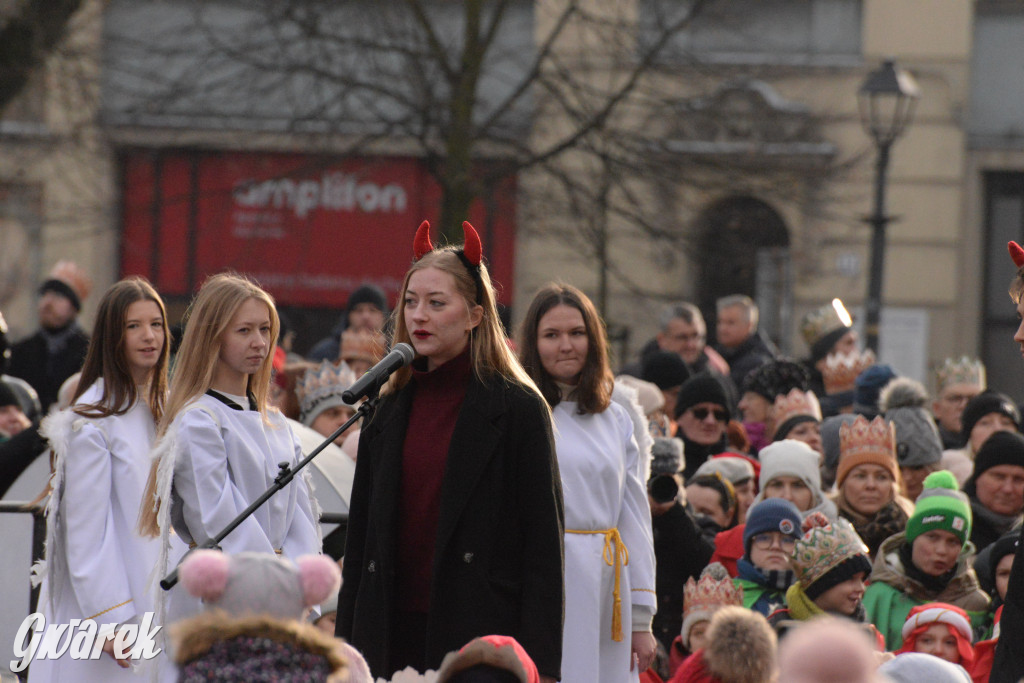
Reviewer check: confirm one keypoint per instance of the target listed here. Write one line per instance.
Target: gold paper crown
(861, 437)
(795, 403)
(841, 370)
(962, 370)
(821, 321)
(713, 590)
(322, 385)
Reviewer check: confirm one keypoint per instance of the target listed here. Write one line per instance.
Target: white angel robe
(599, 463)
(97, 565)
(215, 460)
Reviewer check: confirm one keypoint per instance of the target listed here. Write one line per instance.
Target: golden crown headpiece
(861, 437)
(819, 322)
(841, 369)
(962, 370)
(714, 589)
(321, 387)
(796, 403)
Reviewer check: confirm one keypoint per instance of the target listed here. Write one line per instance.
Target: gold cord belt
(615, 555)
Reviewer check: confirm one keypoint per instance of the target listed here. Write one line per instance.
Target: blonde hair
(206, 319)
(489, 351)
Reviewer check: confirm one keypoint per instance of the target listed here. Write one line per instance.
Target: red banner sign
(310, 229)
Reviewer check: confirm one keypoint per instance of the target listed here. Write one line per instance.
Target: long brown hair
(594, 391)
(489, 351)
(207, 318)
(107, 360)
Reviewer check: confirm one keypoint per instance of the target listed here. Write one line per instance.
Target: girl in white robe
(96, 564)
(609, 550)
(220, 444)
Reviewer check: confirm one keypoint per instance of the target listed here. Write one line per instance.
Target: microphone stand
(284, 476)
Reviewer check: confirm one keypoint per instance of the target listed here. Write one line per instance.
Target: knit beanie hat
(868, 387)
(321, 388)
(866, 443)
(776, 378)
(367, 294)
(701, 388)
(1002, 448)
(941, 506)
(68, 280)
(702, 598)
(735, 469)
(914, 667)
(666, 455)
(665, 369)
(923, 617)
(795, 408)
(830, 437)
(988, 402)
(790, 458)
(7, 395)
(903, 402)
(827, 554)
(771, 514)
(648, 394)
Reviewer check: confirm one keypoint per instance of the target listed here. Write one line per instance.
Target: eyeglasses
(765, 540)
(958, 398)
(702, 413)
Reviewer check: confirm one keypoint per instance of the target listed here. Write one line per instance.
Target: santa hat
(492, 653)
(923, 617)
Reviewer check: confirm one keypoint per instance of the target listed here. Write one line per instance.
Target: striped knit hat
(942, 506)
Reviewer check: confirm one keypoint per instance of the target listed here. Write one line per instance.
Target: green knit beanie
(942, 506)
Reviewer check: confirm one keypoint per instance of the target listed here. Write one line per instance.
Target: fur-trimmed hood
(195, 638)
(962, 590)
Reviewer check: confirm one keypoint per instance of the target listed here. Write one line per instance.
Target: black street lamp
(886, 101)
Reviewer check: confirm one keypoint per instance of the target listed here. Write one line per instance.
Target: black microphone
(400, 356)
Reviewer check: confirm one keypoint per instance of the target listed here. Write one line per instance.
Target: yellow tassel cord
(615, 555)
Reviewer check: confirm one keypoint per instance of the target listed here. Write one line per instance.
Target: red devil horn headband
(1016, 253)
(471, 253)
(422, 245)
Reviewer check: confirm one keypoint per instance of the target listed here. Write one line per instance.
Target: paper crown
(841, 370)
(796, 403)
(365, 345)
(962, 370)
(828, 318)
(861, 437)
(714, 589)
(321, 388)
(824, 546)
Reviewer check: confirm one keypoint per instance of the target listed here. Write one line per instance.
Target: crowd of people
(515, 510)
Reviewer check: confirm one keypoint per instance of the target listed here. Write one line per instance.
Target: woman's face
(772, 550)
(755, 407)
(987, 426)
(938, 641)
(437, 316)
(867, 488)
(562, 343)
(1003, 575)
(244, 344)
(809, 433)
(143, 338)
(744, 499)
(793, 489)
(708, 502)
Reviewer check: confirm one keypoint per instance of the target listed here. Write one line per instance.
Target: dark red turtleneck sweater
(435, 407)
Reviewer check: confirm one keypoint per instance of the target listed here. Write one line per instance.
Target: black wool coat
(498, 555)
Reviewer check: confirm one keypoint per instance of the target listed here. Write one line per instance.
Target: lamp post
(886, 101)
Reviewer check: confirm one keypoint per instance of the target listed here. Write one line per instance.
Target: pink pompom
(814, 520)
(204, 574)
(320, 578)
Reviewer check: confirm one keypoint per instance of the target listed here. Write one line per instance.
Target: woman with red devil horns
(456, 519)
(1009, 657)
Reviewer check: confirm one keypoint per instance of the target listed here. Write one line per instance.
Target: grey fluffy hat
(903, 401)
(667, 456)
(830, 437)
